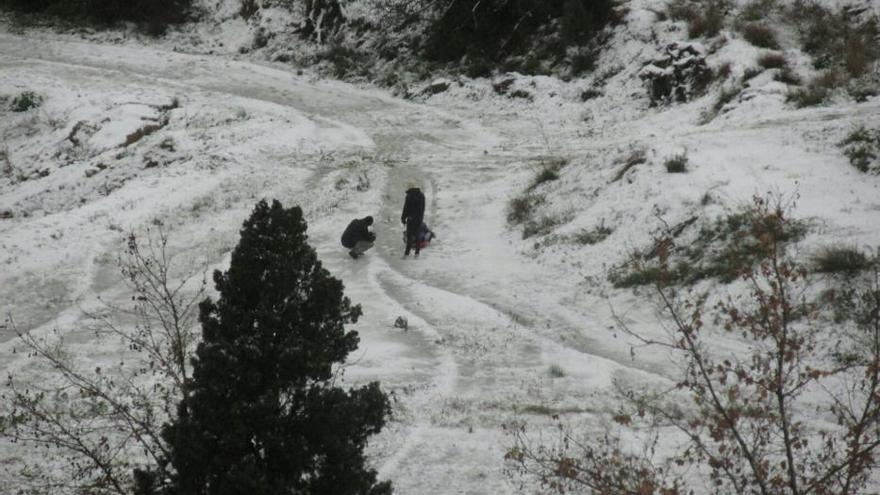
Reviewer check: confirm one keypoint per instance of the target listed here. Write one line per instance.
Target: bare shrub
(103, 425)
(707, 23)
(862, 147)
(817, 91)
(773, 60)
(725, 248)
(25, 101)
(636, 157)
(759, 35)
(725, 96)
(522, 208)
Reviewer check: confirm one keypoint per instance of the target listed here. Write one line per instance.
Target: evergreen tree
(263, 415)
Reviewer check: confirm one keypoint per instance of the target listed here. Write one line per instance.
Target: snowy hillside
(540, 191)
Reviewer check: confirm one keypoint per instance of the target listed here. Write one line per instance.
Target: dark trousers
(412, 234)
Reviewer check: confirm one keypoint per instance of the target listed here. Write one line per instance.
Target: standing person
(412, 216)
(357, 236)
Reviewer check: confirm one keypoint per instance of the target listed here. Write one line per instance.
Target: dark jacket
(357, 230)
(413, 207)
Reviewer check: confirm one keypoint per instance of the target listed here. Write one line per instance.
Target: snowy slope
(131, 136)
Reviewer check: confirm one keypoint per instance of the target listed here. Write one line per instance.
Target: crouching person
(357, 236)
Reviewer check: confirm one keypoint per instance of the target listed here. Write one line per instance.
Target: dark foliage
(688, 78)
(264, 415)
(862, 147)
(837, 38)
(773, 61)
(760, 35)
(26, 101)
(491, 30)
(154, 14)
(847, 260)
(676, 164)
(707, 23)
(725, 249)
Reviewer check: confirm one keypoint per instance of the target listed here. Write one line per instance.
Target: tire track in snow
(486, 353)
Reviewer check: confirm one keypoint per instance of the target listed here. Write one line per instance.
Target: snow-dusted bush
(678, 75)
(528, 36)
(26, 101)
(154, 14)
(724, 248)
(676, 164)
(837, 259)
(264, 413)
(818, 90)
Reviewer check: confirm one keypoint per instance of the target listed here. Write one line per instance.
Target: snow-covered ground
(131, 136)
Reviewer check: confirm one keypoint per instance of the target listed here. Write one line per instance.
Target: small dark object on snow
(401, 322)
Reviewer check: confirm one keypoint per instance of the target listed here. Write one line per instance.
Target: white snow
(489, 312)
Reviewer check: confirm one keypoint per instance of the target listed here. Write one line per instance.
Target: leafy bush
(840, 260)
(676, 164)
(707, 23)
(26, 101)
(759, 35)
(862, 147)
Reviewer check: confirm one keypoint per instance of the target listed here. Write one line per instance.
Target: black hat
(369, 220)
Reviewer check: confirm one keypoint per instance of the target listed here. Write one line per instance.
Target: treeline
(155, 14)
(530, 36)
